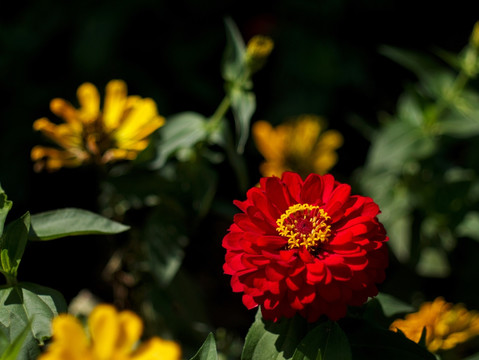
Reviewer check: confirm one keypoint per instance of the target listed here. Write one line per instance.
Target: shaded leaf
(368, 341)
(207, 351)
(165, 238)
(5, 206)
(233, 65)
(13, 245)
(326, 342)
(71, 221)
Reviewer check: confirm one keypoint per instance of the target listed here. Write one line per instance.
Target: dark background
(325, 61)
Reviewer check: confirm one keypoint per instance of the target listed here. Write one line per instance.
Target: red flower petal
(315, 263)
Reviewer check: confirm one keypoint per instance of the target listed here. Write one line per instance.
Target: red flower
(307, 247)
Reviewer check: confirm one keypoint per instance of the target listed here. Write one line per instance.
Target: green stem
(457, 87)
(220, 112)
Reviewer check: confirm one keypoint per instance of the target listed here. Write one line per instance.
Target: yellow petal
(115, 104)
(269, 141)
(141, 121)
(89, 99)
(69, 340)
(64, 109)
(54, 159)
(131, 328)
(158, 349)
(303, 136)
(103, 323)
(331, 139)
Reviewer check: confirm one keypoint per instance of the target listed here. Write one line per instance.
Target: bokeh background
(325, 61)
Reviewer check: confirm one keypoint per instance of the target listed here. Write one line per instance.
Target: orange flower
(119, 132)
(446, 324)
(301, 146)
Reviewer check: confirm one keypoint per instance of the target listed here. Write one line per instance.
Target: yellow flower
(112, 336)
(257, 51)
(446, 324)
(259, 46)
(119, 132)
(299, 146)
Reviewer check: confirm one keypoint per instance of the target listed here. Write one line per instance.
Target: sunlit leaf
(71, 221)
(207, 350)
(392, 306)
(243, 105)
(433, 262)
(25, 304)
(12, 350)
(269, 340)
(180, 132)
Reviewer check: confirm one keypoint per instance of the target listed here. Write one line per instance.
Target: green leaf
(207, 351)
(71, 221)
(5, 206)
(224, 138)
(180, 132)
(469, 227)
(12, 350)
(399, 142)
(368, 341)
(13, 245)
(233, 65)
(25, 304)
(269, 340)
(421, 65)
(473, 357)
(460, 124)
(392, 306)
(326, 341)
(433, 262)
(243, 105)
(165, 237)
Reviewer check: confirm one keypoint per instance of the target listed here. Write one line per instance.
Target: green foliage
(351, 338)
(207, 351)
(68, 222)
(425, 190)
(10, 350)
(30, 306)
(12, 246)
(5, 206)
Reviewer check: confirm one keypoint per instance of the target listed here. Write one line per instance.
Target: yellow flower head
(112, 335)
(300, 145)
(119, 132)
(446, 324)
(259, 46)
(257, 51)
(475, 35)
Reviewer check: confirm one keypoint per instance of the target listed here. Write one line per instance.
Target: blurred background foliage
(326, 61)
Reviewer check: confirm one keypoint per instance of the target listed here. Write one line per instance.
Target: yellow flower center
(304, 225)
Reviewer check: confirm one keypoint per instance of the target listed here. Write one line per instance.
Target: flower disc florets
(307, 247)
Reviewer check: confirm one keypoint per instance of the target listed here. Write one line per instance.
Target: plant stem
(220, 112)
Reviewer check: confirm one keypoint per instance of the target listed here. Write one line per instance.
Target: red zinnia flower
(307, 247)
